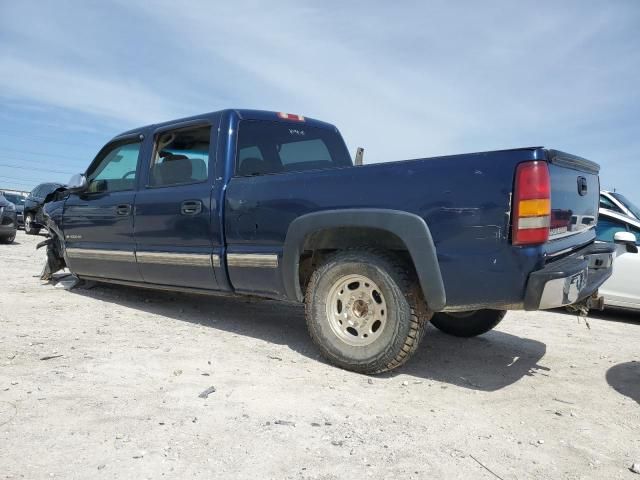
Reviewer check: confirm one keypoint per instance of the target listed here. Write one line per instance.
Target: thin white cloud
(402, 79)
(124, 100)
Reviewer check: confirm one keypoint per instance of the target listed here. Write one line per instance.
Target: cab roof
(242, 114)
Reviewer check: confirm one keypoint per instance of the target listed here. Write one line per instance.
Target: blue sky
(402, 79)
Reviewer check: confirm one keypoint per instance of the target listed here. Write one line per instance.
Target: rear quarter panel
(464, 199)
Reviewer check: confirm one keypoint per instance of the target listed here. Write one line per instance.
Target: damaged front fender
(52, 212)
(55, 258)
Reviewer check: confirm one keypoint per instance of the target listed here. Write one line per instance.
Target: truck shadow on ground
(487, 363)
(624, 378)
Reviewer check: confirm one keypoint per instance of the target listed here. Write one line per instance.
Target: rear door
(176, 229)
(98, 223)
(260, 204)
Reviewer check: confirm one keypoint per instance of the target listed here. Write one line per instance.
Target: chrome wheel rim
(356, 310)
(27, 222)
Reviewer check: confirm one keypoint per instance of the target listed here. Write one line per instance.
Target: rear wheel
(468, 324)
(29, 225)
(364, 312)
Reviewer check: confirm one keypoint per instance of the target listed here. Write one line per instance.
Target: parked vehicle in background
(8, 220)
(33, 219)
(270, 204)
(18, 200)
(622, 290)
(618, 203)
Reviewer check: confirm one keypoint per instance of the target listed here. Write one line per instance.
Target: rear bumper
(570, 279)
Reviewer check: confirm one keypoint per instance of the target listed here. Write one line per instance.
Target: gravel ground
(104, 382)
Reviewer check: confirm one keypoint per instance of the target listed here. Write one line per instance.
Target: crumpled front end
(52, 212)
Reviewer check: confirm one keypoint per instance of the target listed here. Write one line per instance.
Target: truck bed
(464, 199)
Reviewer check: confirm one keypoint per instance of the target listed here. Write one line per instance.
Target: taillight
(532, 204)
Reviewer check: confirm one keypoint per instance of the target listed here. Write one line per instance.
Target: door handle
(123, 210)
(191, 207)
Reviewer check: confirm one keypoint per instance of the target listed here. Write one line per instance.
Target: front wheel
(467, 324)
(364, 312)
(29, 225)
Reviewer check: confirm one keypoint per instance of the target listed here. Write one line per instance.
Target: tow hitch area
(594, 302)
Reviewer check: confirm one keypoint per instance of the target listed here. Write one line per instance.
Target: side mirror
(77, 184)
(628, 239)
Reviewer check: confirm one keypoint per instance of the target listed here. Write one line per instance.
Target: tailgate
(575, 193)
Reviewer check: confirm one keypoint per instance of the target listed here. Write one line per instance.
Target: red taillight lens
(291, 116)
(531, 204)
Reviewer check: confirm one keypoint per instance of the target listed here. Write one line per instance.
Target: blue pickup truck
(271, 204)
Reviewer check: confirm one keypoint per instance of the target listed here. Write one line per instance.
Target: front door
(98, 223)
(176, 239)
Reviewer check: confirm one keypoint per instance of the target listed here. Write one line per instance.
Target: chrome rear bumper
(570, 279)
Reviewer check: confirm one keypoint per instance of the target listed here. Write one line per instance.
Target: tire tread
(408, 285)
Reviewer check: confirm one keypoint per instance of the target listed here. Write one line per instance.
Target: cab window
(273, 147)
(115, 171)
(181, 157)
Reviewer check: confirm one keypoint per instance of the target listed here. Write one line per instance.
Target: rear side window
(310, 150)
(181, 157)
(274, 147)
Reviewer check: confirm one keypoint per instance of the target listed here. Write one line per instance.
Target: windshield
(15, 199)
(624, 200)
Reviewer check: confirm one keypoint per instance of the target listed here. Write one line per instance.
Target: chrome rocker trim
(258, 260)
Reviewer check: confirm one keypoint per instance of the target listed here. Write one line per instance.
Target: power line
(31, 168)
(44, 154)
(17, 180)
(26, 181)
(47, 139)
(38, 162)
(24, 184)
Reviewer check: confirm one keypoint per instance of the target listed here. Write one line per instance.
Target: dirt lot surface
(104, 382)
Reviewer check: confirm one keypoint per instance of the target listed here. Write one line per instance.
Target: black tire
(8, 239)
(29, 229)
(404, 318)
(468, 324)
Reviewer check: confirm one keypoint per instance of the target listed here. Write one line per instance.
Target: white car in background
(622, 290)
(618, 203)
